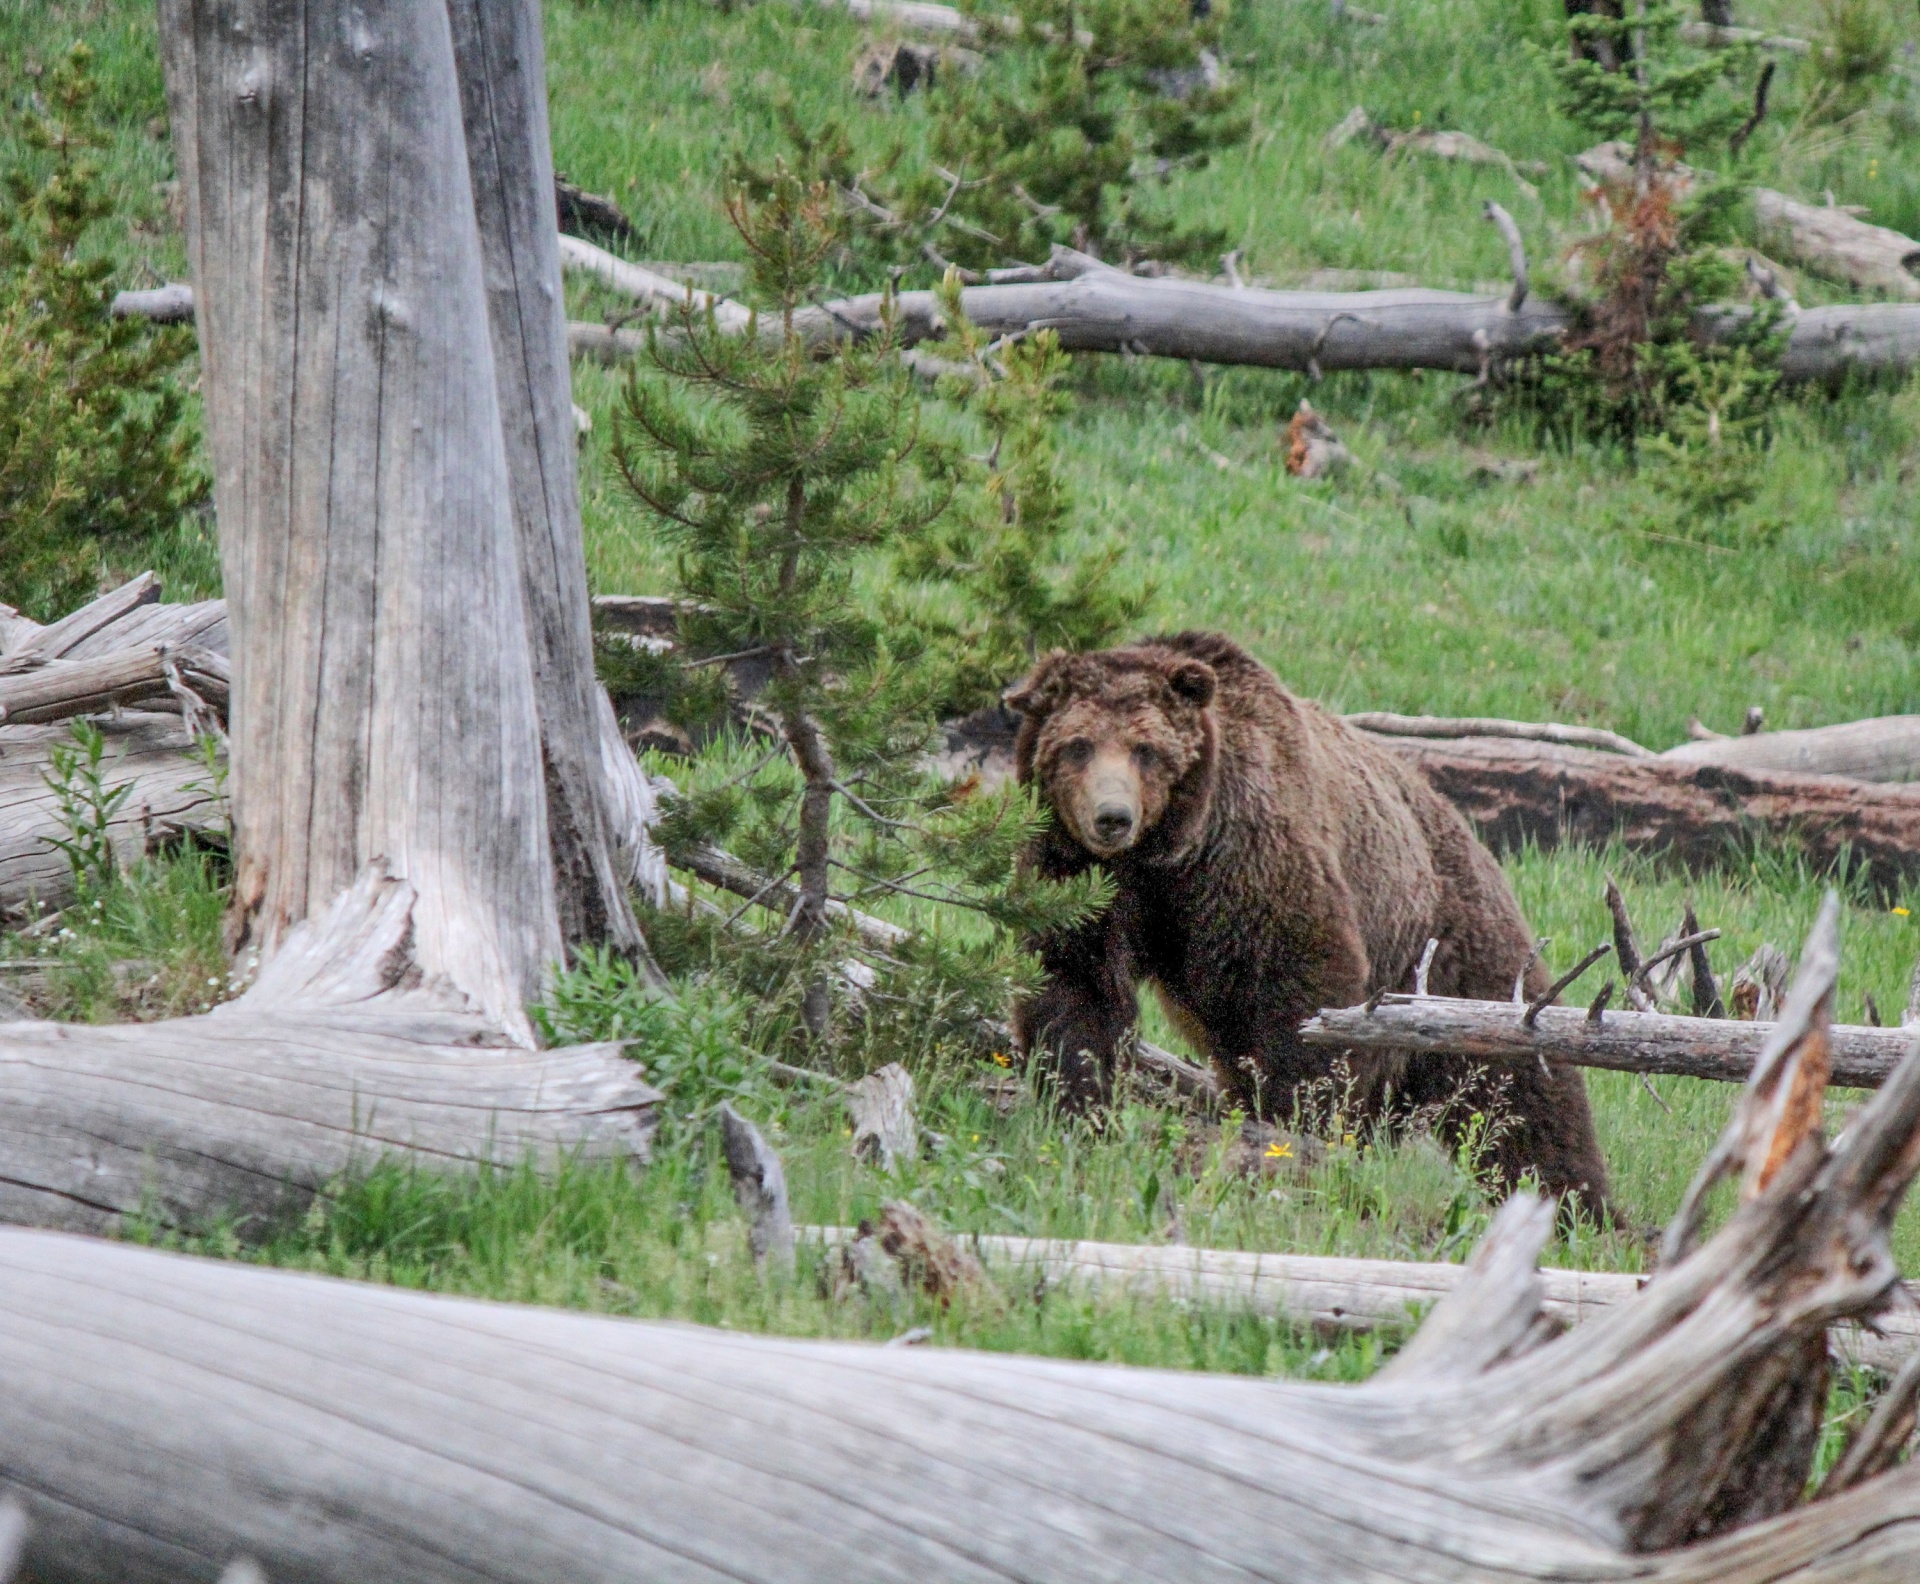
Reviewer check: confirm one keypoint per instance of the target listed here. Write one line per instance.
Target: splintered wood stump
(1701, 813)
(335, 1060)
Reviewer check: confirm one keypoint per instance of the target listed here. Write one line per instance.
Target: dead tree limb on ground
(1332, 1294)
(167, 1414)
(1640, 1042)
(330, 1063)
(1105, 310)
(1384, 723)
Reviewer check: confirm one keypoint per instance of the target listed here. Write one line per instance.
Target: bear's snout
(1110, 812)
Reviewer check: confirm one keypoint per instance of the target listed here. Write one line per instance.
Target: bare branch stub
(1706, 994)
(1551, 994)
(760, 1186)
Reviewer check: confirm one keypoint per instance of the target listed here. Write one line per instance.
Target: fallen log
(1724, 1049)
(1828, 239)
(1328, 1293)
(1386, 724)
(1838, 243)
(1886, 748)
(150, 676)
(326, 1066)
(166, 1415)
(1414, 328)
(124, 618)
(1546, 794)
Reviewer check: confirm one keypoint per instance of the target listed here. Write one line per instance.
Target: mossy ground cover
(1430, 578)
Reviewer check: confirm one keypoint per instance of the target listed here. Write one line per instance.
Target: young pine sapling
(789, 480)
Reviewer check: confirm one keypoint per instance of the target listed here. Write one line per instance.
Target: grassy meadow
(1467, 566)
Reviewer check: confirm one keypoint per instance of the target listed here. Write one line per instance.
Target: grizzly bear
(1269, 860)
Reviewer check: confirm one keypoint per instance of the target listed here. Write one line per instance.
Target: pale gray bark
(384, 697)
(1839, 244)
(1649, 1042)
(1401, 328)
(1387, 724)
(881, 1107)
(147, 676)
(502, 70)
(1886, 748)
(1335, 1294)
(165, 1415)
(760, 1189)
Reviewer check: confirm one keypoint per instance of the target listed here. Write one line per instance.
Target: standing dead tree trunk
(500, 60)
(370, 218)
(165, 1415)
(383, 691)
(398, 620)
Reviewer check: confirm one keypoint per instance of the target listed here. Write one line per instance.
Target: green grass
(1416, 583)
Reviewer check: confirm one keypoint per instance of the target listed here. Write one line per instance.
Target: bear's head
(1122, 747)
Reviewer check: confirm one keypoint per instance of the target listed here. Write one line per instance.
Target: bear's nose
(1113, 822)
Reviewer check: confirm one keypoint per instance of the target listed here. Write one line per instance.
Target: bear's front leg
(1084, 1011)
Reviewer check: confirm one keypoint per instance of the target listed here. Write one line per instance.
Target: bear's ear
(1193, 681)
(1040, 691)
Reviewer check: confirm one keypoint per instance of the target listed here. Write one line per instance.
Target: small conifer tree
(787, 480)
(1052, 142)
(1002, 553)
(94, 449)
(1633, 366)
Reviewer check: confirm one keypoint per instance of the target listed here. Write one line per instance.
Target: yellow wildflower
(1278, 1150)
(1900, 912)
(1002, 1059)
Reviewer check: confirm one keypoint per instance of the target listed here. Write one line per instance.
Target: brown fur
(1279, 862)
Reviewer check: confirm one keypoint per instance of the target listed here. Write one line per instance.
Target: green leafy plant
(95, 447)
(784, 475)
(77, 778)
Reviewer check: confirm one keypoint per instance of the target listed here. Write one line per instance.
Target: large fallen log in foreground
(1333, 1294)
(331, 1062)
(165, 1415)
(1703, 814)
(1640, 1042)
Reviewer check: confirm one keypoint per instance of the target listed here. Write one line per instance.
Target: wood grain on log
(336, 1058)
(172, 795)
(166, 1414)
(144, 677)
(64, 637)
(1701, 813)
(1723, 1049)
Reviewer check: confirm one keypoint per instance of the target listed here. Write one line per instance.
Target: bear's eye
(1146, 756)
(1077, 752)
